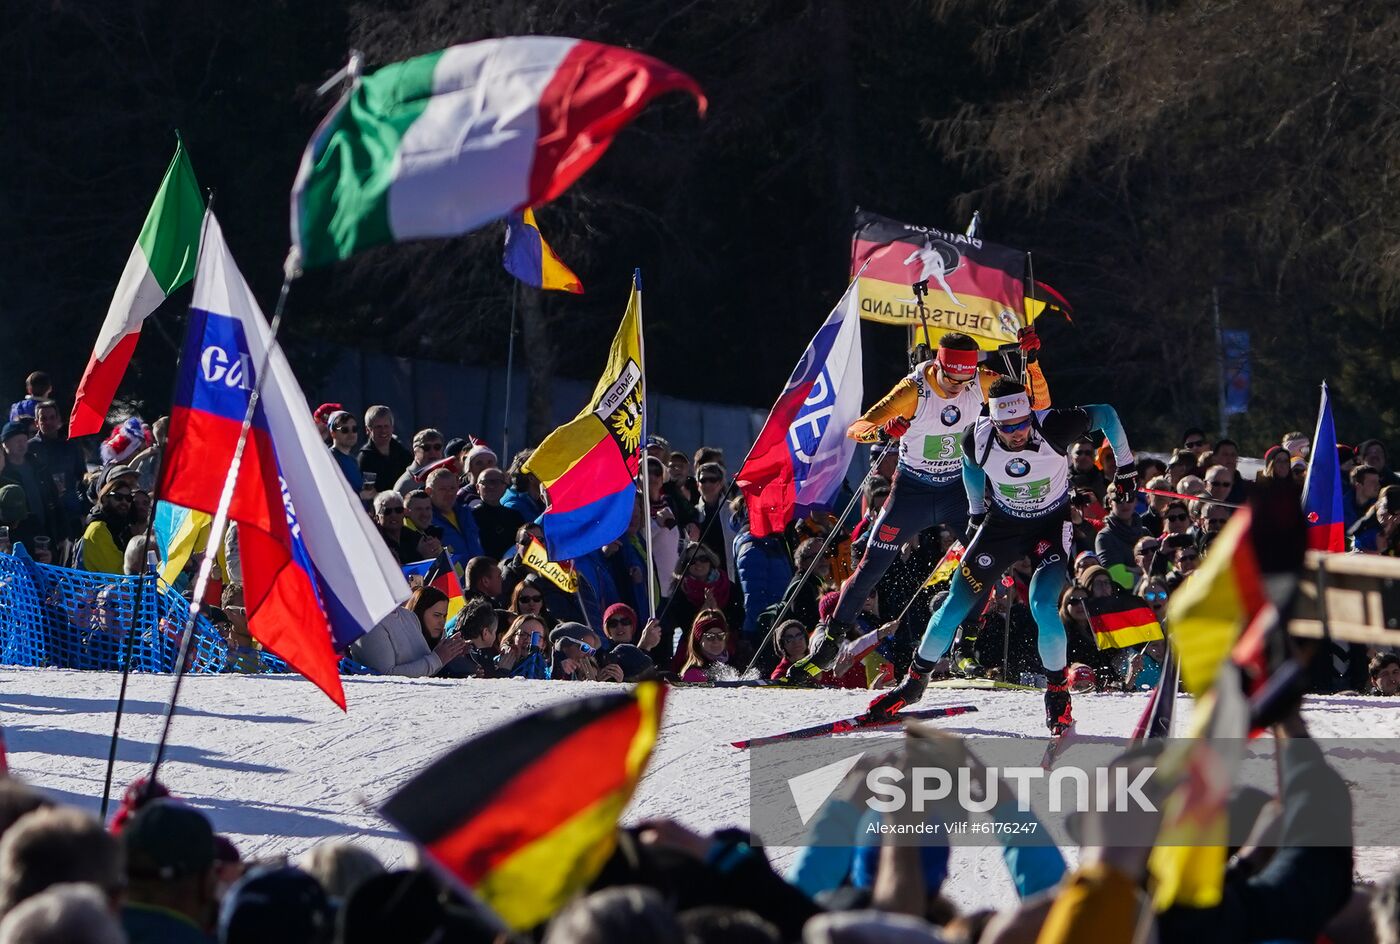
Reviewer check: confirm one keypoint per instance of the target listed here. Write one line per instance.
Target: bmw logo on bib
(984, 560)
(1017, 468)
(951, 414)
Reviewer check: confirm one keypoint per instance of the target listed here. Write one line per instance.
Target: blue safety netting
(75, 619)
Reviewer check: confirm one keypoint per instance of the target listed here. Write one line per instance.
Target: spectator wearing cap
(719, 536)
(344, 432)
(1365, 482)
(496, 524)
(20, 469)
(428, 448)
(172, 886)
(53, 845)
(459, 532)
(108, 527)
(321, 416)
(632, 662)
(65, 464)
(276, 904)
(708, 647)
(524, 495)
(382, 455)
(1122, 530)
(574, 645)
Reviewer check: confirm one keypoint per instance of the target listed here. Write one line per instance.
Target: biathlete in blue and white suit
(1017, 482)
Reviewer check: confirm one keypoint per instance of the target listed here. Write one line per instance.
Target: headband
(960, 362)
(1010, 408)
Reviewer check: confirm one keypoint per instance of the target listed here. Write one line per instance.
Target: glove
(895, 427)
(973, 523)
(1029, 343)
(1126, 478)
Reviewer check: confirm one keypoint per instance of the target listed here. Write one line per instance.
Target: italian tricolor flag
(445, 143)
(161, 262)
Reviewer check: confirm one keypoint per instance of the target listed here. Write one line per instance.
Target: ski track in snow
(278, 767)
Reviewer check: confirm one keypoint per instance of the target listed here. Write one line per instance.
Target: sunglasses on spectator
(710, 480)
(523, 598)
(1076, 601)
(124, 496)
(619, 621)
(1012, 427)
(346, 429)
(1177, 517)
(392, 510)
(714, 634)
(1194, 443)
(1155, 596)
(1219, 484)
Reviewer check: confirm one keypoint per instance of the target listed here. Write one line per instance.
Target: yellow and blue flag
(528, 257)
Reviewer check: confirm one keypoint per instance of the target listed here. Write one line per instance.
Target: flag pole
(149, 574)
(646, 477)
(291, 268)
(510, 370)
(1220, 363)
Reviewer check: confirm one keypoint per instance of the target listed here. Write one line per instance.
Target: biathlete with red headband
(1017, 483)
(929, 412)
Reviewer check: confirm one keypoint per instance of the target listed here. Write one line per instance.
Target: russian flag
(801, 455)
(316, 574)
(1322, 490)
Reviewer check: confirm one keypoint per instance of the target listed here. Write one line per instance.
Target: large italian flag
(444, 143)
(161, 262)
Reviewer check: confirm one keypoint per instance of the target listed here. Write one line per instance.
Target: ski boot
(805, 670)
(1058, 716)
(907, 692)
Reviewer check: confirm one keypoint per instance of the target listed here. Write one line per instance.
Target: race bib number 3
(1024, 491)
(943, 448)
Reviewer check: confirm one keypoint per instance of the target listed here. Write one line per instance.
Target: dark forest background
(1146, 152)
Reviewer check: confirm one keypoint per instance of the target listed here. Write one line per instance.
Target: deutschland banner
(1121, 620)
(562, 575)
(976, 287)
(526, 815)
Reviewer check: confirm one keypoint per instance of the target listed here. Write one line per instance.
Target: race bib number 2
(944, 448)
(1024, 491)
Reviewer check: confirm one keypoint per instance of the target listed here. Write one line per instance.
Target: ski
(858, 723)
(1056, 747)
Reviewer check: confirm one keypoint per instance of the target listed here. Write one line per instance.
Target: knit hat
(633, 661)
(13, 428)
(14, 504)
(570, 631)
(323, 412)
(827, 604)
(619, 609)
(706, 622)
(124, 442)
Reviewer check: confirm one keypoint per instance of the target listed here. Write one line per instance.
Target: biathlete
(1017, 483)
(929, 412)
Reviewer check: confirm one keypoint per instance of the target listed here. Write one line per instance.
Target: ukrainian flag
(528, 257)
(589, 465)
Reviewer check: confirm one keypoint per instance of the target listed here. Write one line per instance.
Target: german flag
(976, 287)
(440, 575)
(526, 815)
(1122, 620)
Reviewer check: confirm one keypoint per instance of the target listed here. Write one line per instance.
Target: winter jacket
(461, 539)
(764, 573)
(100, 552)
(1114, 548)
(522, 503)
(350, 468)
(386, 469)
(395, 646)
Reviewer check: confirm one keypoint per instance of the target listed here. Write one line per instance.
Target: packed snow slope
(277, 767)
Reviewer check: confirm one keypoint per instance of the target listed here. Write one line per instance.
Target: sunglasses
(1012, 427)
(1220, 484)
(1155, 596)
(619, 621)
(1177, 517)
(714, 634)
(123, 496)
(1194, 443)
(346, 429)
(1076, 601)
(430, 447)
(710, 480)
(392, 510)
(536, 599)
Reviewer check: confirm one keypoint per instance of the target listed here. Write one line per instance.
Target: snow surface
(278, 767)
